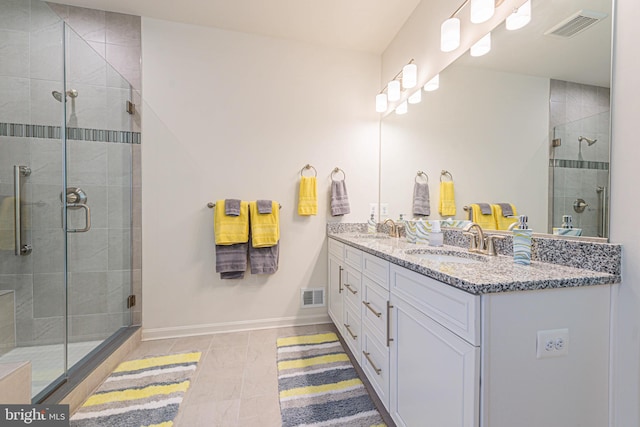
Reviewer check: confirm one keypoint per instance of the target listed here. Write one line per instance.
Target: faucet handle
(491, 244)
(473, 241)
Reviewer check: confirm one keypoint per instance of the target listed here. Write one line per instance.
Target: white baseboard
(244, 325)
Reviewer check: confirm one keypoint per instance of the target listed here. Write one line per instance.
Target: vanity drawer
(454, 309)
(376, 269)
(351, 330)
(374, 307)
(353, 257)
(336, 248)
(351, 287)
(374, 360)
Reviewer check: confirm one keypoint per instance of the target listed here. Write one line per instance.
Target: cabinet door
(434, 373)
(335, 291)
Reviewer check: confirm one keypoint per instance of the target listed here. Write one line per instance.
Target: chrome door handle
(18, 173)
(87, 216)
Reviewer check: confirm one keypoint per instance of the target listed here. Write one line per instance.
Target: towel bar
(212, 205)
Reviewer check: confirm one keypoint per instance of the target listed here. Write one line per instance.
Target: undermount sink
(446, 256)
(372, 236)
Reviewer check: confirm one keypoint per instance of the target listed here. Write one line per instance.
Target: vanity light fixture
(381, 102)
(415, 97)
(482, 46)
(432, 84)
(393, 90)
(402, 108)
(409, 75)
(407, 78)
(482, 10)
(450, 34)
(520, 17)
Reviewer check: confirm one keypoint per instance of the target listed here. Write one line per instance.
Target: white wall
(233, 115)
(469, 139)
(624, 204)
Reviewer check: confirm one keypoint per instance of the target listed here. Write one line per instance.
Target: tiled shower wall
(578, 110)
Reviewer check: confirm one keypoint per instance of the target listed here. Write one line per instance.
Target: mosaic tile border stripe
(578, 164)
(75, 134)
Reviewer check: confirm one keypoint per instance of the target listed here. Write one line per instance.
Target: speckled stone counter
(483, 274)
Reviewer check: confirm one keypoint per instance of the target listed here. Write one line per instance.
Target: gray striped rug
(143, 392)
(318, 385)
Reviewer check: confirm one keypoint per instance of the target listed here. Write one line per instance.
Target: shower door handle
(87, 216)
(18, 173)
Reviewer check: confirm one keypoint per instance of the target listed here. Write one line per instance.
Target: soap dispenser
(436, 237)
(372, 227)
(522, 241)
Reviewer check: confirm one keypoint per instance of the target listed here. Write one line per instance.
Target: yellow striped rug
(318, 385)
(143, 392)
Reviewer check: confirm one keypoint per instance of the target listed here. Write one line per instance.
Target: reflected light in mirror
(402, 108)
(481, 10)
(393, 90)
(381, 102)
(482, 46)
(409, 76)
(520, 17)
(416, 97)
(432, 84)
(450, 35)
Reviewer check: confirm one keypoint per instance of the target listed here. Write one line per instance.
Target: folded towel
(232, 207)
(308, 196)
(265, 228)
(264, 206)
(447, 205)
(486, 221)
(231, 260)
(503, 221)
(264, 260)
(421, 203)
(339, 198)
(507, 209)
(229, 230)
(485, 208)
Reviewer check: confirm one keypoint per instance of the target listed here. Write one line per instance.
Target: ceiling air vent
(576, 23)
(312, 297)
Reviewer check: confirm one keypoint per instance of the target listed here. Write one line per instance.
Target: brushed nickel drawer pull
(340, 279)
(389, 339)
(348, 286)
(354, 336)
(368, 304)
(378, 370)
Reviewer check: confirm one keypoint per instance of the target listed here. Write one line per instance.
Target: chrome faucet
(393, 229)
(477, 240)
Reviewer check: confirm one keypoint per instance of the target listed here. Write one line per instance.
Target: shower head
(587, 140)
(72, 93)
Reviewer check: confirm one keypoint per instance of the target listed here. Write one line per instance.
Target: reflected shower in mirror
(527, 124)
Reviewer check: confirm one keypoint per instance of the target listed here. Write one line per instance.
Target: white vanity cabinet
(334, 293)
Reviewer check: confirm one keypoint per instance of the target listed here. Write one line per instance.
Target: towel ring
(338, 170)
(445, 174)
(308, 166)
(419, 174)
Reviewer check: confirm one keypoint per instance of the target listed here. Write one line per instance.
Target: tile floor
(236, 382)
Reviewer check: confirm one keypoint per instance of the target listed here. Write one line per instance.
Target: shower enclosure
(66, 137)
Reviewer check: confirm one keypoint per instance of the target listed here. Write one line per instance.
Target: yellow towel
(447, 205)
(265, 228)
(503, 223)
(487, 222)
(308, 196)
(230, 230)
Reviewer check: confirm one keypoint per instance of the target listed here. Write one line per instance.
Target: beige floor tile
(233, 339)
(191, 344)
(263, 337)
(151, 348)
(209, 414)
(259, 385)
(216, 385)
(226, 357)
(292, 331)
(267, 406)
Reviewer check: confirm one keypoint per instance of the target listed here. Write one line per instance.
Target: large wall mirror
(527, 124)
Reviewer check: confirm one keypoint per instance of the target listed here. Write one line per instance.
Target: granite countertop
(490, 274)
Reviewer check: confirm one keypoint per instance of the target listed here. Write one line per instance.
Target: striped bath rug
(143, 392)
(318, 385)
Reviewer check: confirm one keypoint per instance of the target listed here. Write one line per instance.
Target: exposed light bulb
(520, 17)
(409, 76)
(402, 108)
(393, 90)
(381, 102)
(481, 10)
(482, 46)
(450, 35)
(432, 84)
(415, 97)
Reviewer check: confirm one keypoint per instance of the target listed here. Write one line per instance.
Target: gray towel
(232, 207)
(264, 206)
(506, 209)
(421, 203)
(264, 260)
(231, 260)
(485, 208)
(339, 198)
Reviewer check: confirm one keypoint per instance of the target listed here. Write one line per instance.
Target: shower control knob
(26, 249)
(579, 205)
